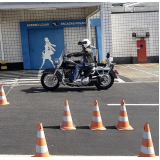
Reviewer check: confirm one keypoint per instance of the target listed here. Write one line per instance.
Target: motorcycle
(102, 75)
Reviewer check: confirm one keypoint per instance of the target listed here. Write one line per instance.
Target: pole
(1, 40)
(102, 33)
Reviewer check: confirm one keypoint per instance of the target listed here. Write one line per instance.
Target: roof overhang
(47, 5)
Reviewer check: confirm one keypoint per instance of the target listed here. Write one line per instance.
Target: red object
(141, 51)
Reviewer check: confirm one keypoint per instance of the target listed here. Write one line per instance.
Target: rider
(87, 57)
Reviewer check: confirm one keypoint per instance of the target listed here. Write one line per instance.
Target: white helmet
(85, 43)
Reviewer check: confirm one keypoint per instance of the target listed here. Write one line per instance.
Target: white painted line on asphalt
(77, 157)
(13, 84)
(134, 104)
(16, 155)
(31, 84)
(28, 79)
(119, 80)
(31, 75)
(8, 80)
(66, 156)
(143, 71)
(23, 84)
(140, 82)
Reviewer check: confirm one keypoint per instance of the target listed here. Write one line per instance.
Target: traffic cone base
(124, 128)
(94, 128)
(42, 155)
(3, 100)
(4, 103)
(96, 119)
(146, 155)
(67, 123)
(68, 128)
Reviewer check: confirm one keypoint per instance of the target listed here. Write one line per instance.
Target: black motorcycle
(101, 75)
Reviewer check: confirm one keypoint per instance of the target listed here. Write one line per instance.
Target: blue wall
(32, 46)
(97, 24)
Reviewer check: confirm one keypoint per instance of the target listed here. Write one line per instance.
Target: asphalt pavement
(31, 104)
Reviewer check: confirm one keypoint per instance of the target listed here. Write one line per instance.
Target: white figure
(49, 50)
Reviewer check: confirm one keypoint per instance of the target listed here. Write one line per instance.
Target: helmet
(85, 43)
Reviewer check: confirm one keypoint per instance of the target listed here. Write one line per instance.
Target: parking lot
(30, 103)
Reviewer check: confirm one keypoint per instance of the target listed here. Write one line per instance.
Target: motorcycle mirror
(108, 55)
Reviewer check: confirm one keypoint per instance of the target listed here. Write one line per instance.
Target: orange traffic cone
(3, 100)
(67, 123)
(96, 119)
(41, 145)
(123, 122)
(147, 149)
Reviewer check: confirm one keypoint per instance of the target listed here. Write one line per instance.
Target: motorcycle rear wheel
(48, 83)
(105, 82)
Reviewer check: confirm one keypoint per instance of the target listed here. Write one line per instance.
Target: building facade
(25, 29)
(131, 22)
(32, 35)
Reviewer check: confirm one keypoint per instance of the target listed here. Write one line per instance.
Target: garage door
(44, 46)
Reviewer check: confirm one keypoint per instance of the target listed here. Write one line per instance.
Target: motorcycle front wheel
(105, 82)
(48, 82)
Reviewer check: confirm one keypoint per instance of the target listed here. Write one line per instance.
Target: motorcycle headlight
(56, 62)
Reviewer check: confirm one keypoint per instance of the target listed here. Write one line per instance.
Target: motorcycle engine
(81, 81)
(85, 81)
(68, 73)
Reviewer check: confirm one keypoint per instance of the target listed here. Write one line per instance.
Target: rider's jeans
(77, 69)
(74, 74)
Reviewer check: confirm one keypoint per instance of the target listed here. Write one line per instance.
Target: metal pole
(1, 40)
(102, 32)
(88, 23)
(88, 28)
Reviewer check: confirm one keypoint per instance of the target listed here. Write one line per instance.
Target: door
(44, 46)
(141, 51)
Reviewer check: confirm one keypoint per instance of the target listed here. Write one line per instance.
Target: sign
(72, 23)
(54, 24)
(37, 24)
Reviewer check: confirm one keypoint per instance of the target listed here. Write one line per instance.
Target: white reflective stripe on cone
(2, 90)
(147, 135)
(40, 134)
(95, 108)
(2, 97)
(41, 149)
(66, 108)
(123, 119)
(96, 119)
(67, 119)
(123, 108)
(147, 150)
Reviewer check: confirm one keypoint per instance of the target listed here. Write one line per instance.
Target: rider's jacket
(88, 56)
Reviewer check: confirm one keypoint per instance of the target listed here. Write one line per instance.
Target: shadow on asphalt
(58, 127)
(110, 127)
(39, 90)
(78, 127)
